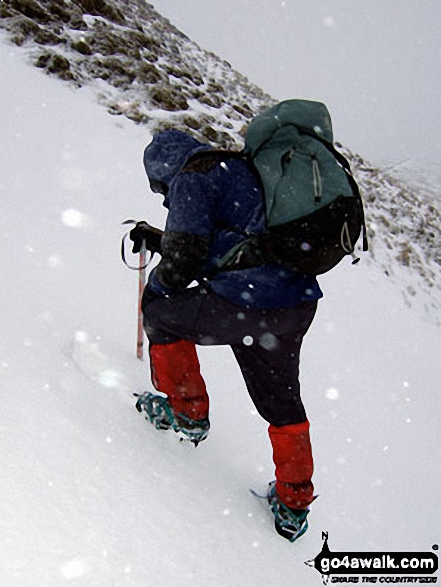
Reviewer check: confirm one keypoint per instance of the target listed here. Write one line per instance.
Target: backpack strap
(248, 252)
(204, 161)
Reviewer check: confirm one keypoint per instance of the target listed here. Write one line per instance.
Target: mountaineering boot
(161, 414)
(195, 430)
(289, 523)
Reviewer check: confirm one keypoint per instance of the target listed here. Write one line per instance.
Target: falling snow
(268, 341)
(332, 393)
(74, 218)
(88, 487)
(329, 21)
(73, 569)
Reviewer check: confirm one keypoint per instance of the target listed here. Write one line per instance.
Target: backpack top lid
(313, 116)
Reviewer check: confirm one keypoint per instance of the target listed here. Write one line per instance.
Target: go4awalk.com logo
(375, 567)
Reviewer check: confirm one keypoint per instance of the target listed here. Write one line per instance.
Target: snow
(90, 493)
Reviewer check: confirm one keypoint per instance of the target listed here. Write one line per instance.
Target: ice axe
(141, 285)
(143, 263)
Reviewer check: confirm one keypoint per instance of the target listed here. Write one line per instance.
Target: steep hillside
(146, 69)
(404, 223)
(93, 496)
(140, 66)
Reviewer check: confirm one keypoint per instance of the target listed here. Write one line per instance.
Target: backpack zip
(316, 179)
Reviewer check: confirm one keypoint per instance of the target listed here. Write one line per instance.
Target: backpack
(314, 212)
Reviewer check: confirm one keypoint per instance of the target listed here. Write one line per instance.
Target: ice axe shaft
(142, 266)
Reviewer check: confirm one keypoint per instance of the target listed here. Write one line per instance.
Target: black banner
(375, 563)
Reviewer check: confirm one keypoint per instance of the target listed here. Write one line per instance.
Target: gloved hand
(144, 232)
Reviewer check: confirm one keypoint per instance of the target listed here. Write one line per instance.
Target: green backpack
(314, 211)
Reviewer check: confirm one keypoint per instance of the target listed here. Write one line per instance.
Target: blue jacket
(214, 198)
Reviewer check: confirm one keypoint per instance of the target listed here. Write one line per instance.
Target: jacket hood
(313, 116)
(167, 154)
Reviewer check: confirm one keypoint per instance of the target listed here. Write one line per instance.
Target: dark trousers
(266, 343)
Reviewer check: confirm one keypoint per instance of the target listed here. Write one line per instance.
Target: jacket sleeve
(183, 259)
(188, 233)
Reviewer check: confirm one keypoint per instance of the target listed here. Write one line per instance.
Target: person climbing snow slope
(218, 283)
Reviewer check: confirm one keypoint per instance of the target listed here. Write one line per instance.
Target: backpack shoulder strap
(205, 161)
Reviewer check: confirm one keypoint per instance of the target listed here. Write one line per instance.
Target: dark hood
(167, 154)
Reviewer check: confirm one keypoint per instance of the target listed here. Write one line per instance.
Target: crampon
(161, 414)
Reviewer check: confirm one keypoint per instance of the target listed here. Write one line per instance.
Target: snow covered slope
(90, 495)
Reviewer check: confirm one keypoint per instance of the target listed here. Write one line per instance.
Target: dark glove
(149, 234)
